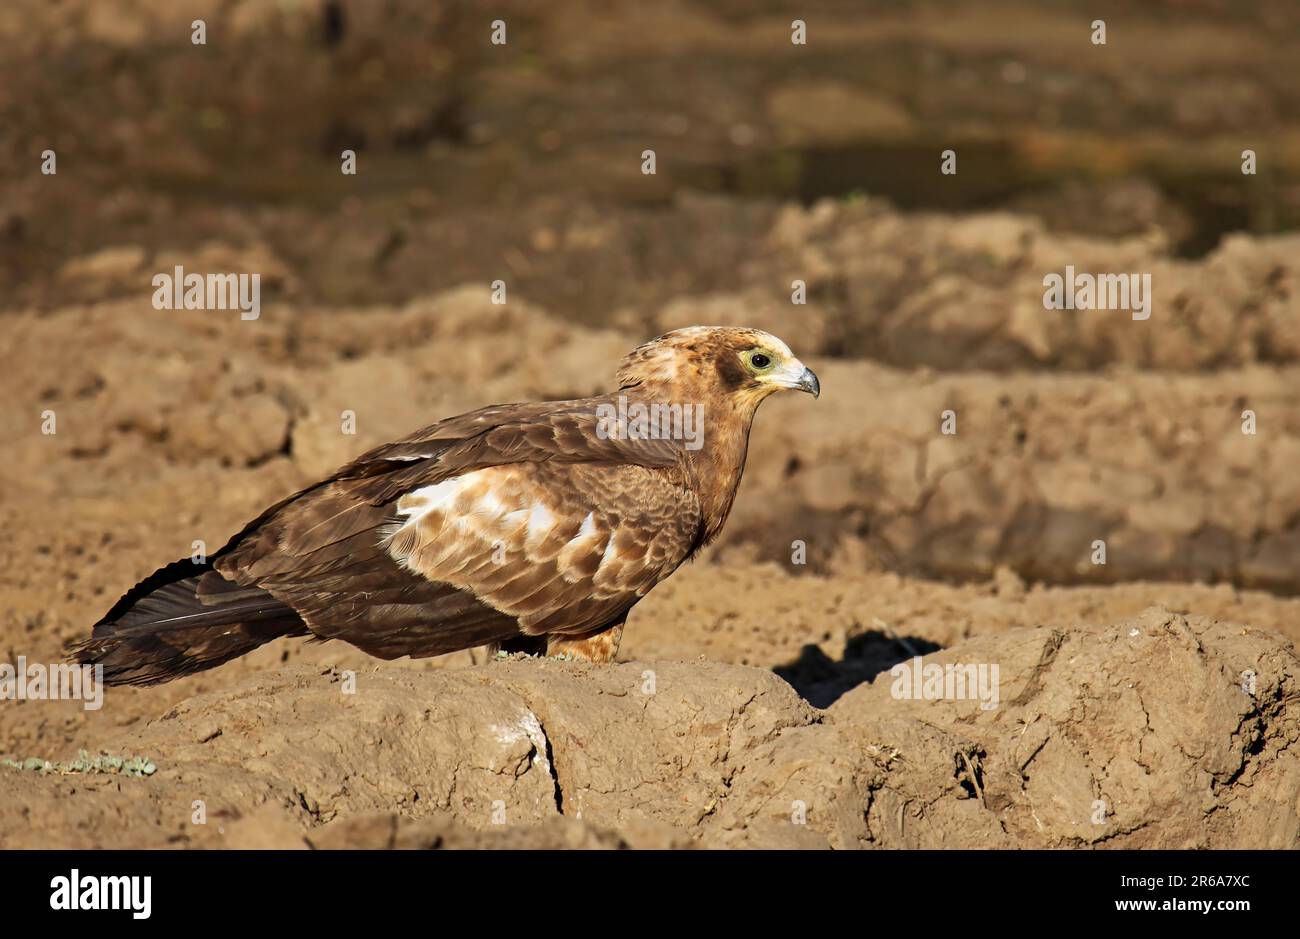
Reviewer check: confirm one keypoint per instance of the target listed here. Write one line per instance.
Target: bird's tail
(184, 618)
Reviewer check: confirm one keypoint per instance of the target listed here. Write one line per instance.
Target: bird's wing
(507, 519)
(562, 547)
(558, 432)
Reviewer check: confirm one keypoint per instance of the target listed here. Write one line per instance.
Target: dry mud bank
(1114, 726)
(1141, 734)
(1040, 465)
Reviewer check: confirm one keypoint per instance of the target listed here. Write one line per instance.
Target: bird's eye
(759, 360)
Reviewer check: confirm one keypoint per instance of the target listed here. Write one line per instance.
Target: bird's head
(743, 365)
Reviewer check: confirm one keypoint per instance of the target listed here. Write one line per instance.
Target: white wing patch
(582, 545)
(540, 522)
(439, 498)
(523, 551)
(437, 524)
(607, 555)
(440, 513)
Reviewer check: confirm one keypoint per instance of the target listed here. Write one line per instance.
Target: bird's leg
(599, 647)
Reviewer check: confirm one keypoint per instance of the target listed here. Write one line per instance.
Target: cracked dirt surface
(1142, 734)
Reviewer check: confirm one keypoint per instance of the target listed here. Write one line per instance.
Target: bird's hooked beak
(798, 377)
(808, 382)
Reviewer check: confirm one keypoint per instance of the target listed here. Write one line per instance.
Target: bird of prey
(524, 527)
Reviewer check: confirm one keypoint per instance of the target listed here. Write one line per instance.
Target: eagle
(529, 527)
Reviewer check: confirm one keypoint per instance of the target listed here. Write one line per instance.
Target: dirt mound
(915, 290)
(1174, 473)
(968, 293)
(1158, 732)
(1181, 476)
(1163, 731)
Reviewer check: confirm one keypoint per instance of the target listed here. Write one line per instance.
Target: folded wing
(509, 520)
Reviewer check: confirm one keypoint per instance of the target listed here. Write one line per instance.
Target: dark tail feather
(184, 618)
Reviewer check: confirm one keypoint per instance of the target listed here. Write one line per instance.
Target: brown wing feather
(321, 555)
(360, 558)
(565, 432)
(562, 547)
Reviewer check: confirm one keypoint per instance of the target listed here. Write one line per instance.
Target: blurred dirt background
(770, 721)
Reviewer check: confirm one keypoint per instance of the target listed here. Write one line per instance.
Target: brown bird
(528, 527)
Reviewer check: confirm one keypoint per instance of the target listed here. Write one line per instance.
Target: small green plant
(85, 763)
